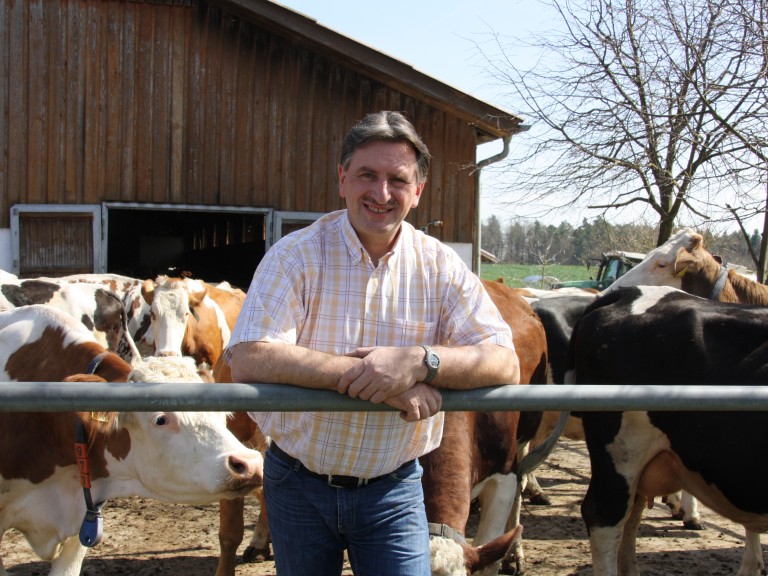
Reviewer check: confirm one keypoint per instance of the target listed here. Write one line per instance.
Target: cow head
(184, 320)
(451, 558)
(169, 304)
(184, 457)
(667, 264)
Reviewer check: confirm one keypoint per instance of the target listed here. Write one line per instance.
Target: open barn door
(214, 244)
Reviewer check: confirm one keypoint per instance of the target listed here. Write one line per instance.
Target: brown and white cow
(181, 457)
(94, 305)
(683, 263)
(479, 456)
(174, 316)
(660, 335)
(231, 520)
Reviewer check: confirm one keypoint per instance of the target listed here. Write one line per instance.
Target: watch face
(433, 361)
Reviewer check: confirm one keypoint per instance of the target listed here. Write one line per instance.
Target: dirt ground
(147, 538)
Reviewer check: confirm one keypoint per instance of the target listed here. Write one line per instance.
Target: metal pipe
(478, 224)
(150, 397)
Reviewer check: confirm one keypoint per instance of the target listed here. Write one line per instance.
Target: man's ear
(417, 196)
(342, 176)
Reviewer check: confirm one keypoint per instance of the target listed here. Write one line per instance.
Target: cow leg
(690, 508)
(69, 562)
(686, 508)
(514, 561)
(258, 548)
(610, 498)
(231, 522)
(627, 557)
(231, 529)
(533, 490)
(752, 563)
(497, 495)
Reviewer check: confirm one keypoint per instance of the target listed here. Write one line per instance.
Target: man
(362, 303)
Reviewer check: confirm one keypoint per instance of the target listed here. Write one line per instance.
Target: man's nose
(381, 191)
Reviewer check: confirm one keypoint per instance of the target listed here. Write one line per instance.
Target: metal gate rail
(148, 397)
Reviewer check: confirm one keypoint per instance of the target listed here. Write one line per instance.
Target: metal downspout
(478, 223)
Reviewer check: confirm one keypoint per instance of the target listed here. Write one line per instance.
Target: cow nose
(247, 465)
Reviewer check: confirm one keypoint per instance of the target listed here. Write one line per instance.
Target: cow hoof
(253, 556)
(693, 525)
(539, 499)
(512, 568)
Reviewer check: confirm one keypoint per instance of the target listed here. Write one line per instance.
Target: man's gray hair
(386, 126)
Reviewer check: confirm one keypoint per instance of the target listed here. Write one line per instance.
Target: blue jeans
(383, 525)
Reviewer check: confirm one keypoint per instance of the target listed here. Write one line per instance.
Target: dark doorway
(211, 246)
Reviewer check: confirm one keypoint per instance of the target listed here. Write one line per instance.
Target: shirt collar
(355, 247)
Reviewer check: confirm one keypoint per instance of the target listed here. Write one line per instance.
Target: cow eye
(161, 420)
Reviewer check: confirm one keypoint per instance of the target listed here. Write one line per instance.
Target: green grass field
(513, 274)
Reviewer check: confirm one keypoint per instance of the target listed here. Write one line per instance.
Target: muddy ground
(147, 538)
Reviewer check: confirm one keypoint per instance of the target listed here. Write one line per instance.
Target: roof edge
(490, 121)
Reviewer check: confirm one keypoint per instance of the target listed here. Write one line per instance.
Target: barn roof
(491, 122)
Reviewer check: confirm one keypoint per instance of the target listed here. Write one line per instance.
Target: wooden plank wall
(110, 100)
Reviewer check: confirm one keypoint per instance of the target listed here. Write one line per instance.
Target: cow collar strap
(719, 284)
(92, 527)
(94, 364)
(445, 531)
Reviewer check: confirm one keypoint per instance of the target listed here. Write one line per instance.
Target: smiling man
(362, 303)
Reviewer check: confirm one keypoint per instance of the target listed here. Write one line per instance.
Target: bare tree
(750, 85)
(623, 102)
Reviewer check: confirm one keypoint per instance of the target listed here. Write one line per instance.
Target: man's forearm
(277, 363)
(469, 367)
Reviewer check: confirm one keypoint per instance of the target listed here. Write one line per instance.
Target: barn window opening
(206, 244)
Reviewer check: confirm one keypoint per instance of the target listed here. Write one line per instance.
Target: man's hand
(383, 373)
(417, 403)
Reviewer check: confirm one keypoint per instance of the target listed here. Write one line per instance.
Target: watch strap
(431, 371)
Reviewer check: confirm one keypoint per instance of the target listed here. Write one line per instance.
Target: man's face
(380, 187)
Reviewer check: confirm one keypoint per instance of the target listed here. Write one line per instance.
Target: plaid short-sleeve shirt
(318, 288)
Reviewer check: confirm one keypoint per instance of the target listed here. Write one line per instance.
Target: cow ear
(148, 291)
(697, 240)
(686, 262)
(83, 378)
(718, 258)
(197, 290)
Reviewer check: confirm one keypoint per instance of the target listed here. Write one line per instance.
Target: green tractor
(610, 266)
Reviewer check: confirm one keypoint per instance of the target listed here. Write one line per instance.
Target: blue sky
(437, 38)
(434, 37)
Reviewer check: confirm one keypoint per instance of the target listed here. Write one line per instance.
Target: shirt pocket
(414, 333)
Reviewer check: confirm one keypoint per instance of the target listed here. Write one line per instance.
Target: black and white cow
(96, 306)
(660, 335)
(558, 312)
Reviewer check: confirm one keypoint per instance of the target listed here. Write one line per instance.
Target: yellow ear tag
(99, 417)
(682, 272)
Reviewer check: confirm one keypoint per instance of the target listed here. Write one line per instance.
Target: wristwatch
(432, 362)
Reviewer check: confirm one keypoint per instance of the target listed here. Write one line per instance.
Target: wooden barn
(139, 136)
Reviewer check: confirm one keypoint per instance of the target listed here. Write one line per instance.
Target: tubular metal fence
(148, 397)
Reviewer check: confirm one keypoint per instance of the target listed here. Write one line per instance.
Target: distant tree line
(537, 243)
